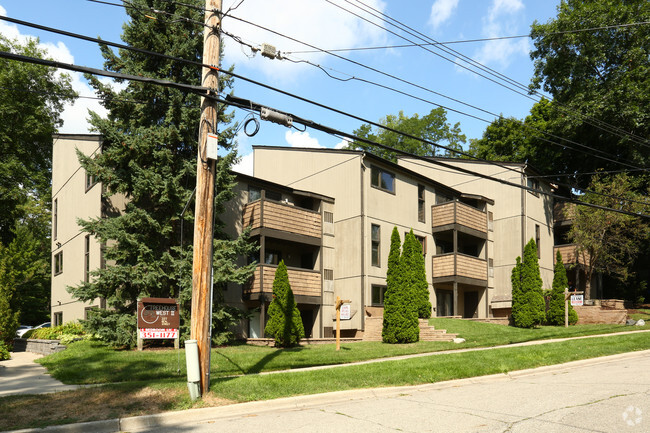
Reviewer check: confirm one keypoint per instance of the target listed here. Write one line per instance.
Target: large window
(421, 210)
(90, 181)
(382, 179)
(537, 240)
(377, 295)
(254, 193)
(375, 233)
(58, 263)
(55, 218)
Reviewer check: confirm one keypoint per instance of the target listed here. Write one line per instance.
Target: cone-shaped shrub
(528, 307)
(400, 323)
(285, 324)
(555, 314)
(415, 274)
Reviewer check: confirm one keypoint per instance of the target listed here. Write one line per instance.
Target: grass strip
(148, 397)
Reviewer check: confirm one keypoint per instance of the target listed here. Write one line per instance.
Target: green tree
(31, 101)
(432, 127)
(400, 320)
(515, 279)
(415, 277)
(285, 324)
(528, 307)
(601, 74)
(555, 314)
(608, 242)
(149, 156)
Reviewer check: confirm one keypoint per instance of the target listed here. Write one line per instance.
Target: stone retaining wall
(44, 347)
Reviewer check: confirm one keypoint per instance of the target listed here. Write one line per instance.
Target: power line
(249, 105)
(463, 41)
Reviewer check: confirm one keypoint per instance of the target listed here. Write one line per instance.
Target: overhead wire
(609, 128)
(249, 105)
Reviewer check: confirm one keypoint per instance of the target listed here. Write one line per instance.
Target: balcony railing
(284, 217)
(304, 282)
(459, 265)
(455, 212)
(570, 254)
(564, 212)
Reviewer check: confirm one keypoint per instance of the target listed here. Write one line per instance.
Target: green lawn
(139, 383)
(92, 362)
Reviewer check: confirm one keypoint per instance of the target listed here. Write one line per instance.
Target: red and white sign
(345, 312)
(577, 300)
(156, 333)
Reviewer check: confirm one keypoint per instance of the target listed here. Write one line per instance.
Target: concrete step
(374, 326)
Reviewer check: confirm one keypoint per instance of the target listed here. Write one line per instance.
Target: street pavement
(21, 375)
(608, 394)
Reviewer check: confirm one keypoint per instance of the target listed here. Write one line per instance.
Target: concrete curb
(178, 418)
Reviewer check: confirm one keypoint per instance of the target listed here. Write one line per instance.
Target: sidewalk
(21, 375)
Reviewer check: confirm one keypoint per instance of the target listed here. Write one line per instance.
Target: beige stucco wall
(72, 202)
(516, 212)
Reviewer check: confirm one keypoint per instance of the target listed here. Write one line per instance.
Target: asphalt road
(609, 394)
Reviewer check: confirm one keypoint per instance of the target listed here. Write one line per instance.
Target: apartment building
(518, 217)
(372, 196)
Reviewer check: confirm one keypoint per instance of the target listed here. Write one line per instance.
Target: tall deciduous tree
(284, 325)
(432, 127)
(607, 241)
(31, 102)
(597, 76)
(555, 314)
(528, 307)
(149, 156)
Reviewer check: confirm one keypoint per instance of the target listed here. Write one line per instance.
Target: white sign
(345, 312)
(576, 300)
(154, 333)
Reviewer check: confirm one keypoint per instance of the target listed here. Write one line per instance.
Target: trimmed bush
(528, 306)
(285, 323)
(555, 314)
(4, 352)
(400, 322)
(415, 274)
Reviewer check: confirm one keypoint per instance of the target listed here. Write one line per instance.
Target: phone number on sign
(158, 333)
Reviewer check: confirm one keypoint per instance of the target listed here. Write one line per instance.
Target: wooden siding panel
(466, 215)
(306, 283)
(570, 255)
(470, 267)
(283, 217)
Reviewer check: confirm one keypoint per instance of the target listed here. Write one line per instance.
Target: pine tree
(149, 156)
(555, 314)
(400, 322)
(285, 324)
(528, 307)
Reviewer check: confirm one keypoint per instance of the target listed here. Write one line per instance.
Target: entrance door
(471, 304)
(307, 316)
(444, 303)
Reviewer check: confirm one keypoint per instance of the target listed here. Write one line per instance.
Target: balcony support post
(262, 313)
(455, 307)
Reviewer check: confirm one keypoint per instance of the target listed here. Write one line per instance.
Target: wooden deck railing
(459, 213)
(303, 281)
(459, 265)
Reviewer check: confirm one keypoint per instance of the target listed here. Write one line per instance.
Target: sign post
(341, 310)
(576, 300)
(158, 318)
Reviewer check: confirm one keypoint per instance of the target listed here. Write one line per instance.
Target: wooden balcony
(563, 212)
(446, 215)
(459, 266)
(570, 255)
(282, 217)
(304, 283)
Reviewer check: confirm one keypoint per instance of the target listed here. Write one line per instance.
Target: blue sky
(324, 25)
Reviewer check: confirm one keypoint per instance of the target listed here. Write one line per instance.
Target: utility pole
(204, 210)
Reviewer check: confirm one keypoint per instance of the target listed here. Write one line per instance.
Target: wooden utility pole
(205, 180)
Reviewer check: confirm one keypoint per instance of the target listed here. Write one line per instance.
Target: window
(382, 179)
(377, 295)
(421, 211)
(328, 217)
(375, 234)
(90, 181)
(254, 193)
(490, 221)
(442, 198)
(58, 318)
(537, 240)
(58, 263)
(272, 257)
(55, 218)
(534, 184)
(87, 259)
(423, 243)
(273, 195)
(328, 274)
(491, 267)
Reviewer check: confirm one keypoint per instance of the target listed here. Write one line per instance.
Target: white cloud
(301, 139)
(504, 17)
(441, 11)
(245, 164)
(320, 24)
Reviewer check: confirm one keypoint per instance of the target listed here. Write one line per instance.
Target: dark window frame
(381, 291)
(58, 263)
(421, 204)
(375, 245)
(377, 179)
